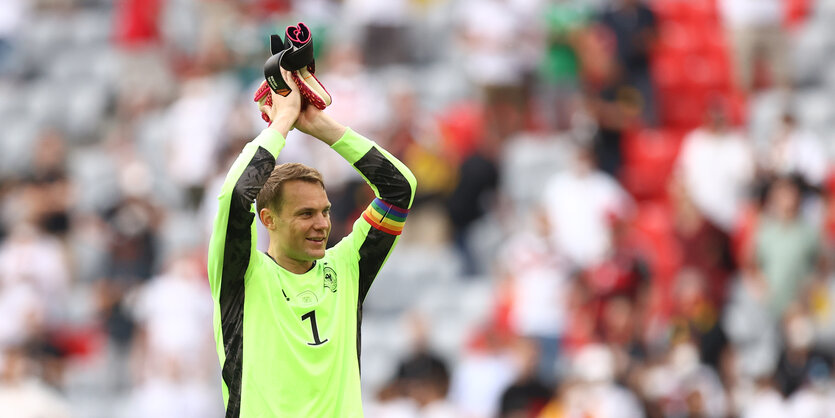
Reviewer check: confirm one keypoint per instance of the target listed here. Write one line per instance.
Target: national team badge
(330, 279)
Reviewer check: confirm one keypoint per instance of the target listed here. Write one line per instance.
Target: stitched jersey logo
(330, 279)
(307, 298)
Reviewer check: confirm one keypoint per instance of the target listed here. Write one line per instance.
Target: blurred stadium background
(625, 208)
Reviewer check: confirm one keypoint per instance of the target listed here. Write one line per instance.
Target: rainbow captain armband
(385, 217)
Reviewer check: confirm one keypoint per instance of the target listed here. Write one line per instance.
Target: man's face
(303, 221)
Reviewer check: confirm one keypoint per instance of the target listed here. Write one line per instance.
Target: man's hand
(284, 110)
(319, 125)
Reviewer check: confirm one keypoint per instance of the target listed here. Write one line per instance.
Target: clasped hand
(287, 113)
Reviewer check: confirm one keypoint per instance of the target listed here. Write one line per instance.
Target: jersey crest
(330, 278)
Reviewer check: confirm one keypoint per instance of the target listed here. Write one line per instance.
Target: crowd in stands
(624, 208)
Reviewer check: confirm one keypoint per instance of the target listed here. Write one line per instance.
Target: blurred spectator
(421, 382)
(813, 401)
(173, 363)
(169, 395)
(697, 316)
(385, 30)
(716, 167)
(623, 271)
(134, 242)
(566, 24)
(580, 205)
(483, 371)
(358, 99)
(704, 247)
(786, 248)
(816, 399)
(539, 288)
(425, 381)
(418, 138)
(755, 32)
(195, 133)
(682, 386)
(51, 192)
(172, 314)
(36, 261)
(35, 289)
(137, 22)
(800, 364)
(634, 28)
(591, 390)
(133, 246)
(620, 327)
(473, 197)
(614, 108)
(795, 150)
(489, 32)
(528, 395)
(23, 393)
(821, 297)
(24, 310)
(765, 402)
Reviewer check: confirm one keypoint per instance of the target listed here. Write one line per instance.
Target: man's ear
(267, 218)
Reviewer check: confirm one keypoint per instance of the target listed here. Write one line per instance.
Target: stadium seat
(649, 157)
(668, 70)
(682, 111)
(677, 37)
(16, 147)
(705, 72)
(86, 106)
(699, 12)
(670, 10)
(654, 226)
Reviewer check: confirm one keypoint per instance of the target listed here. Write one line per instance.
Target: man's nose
(322, 221)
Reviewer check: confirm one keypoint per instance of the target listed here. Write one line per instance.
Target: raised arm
(391, 180)
(233, 236)
(376, 232)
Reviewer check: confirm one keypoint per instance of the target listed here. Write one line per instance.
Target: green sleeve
(376, 232)
(232, 244)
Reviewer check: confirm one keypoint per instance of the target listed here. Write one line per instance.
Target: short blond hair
(270, 194)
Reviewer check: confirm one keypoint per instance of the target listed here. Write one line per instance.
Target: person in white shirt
(716, 168)
(795, 150)
(754, 27)
(580, 204)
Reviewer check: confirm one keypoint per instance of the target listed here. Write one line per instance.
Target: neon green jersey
(289, 343)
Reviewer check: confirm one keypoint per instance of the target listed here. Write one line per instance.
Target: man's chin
(316, 254)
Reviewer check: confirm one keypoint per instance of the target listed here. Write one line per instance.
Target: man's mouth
(318, 239)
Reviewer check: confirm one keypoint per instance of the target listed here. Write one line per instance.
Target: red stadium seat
(654, 224)
(706, 72)
(676, 37)
(668, 70)
(649, 157)
(670, 10)
(683, 111)
(685, 10)
(700, 11)
(714, 36)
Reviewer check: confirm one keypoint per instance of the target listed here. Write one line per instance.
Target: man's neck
(289, 264)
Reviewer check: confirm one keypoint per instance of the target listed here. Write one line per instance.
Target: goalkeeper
(287, 321)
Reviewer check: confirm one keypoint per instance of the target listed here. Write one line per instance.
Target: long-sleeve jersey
(289, 344)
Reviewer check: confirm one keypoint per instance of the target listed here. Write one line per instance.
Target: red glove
(263, 97)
